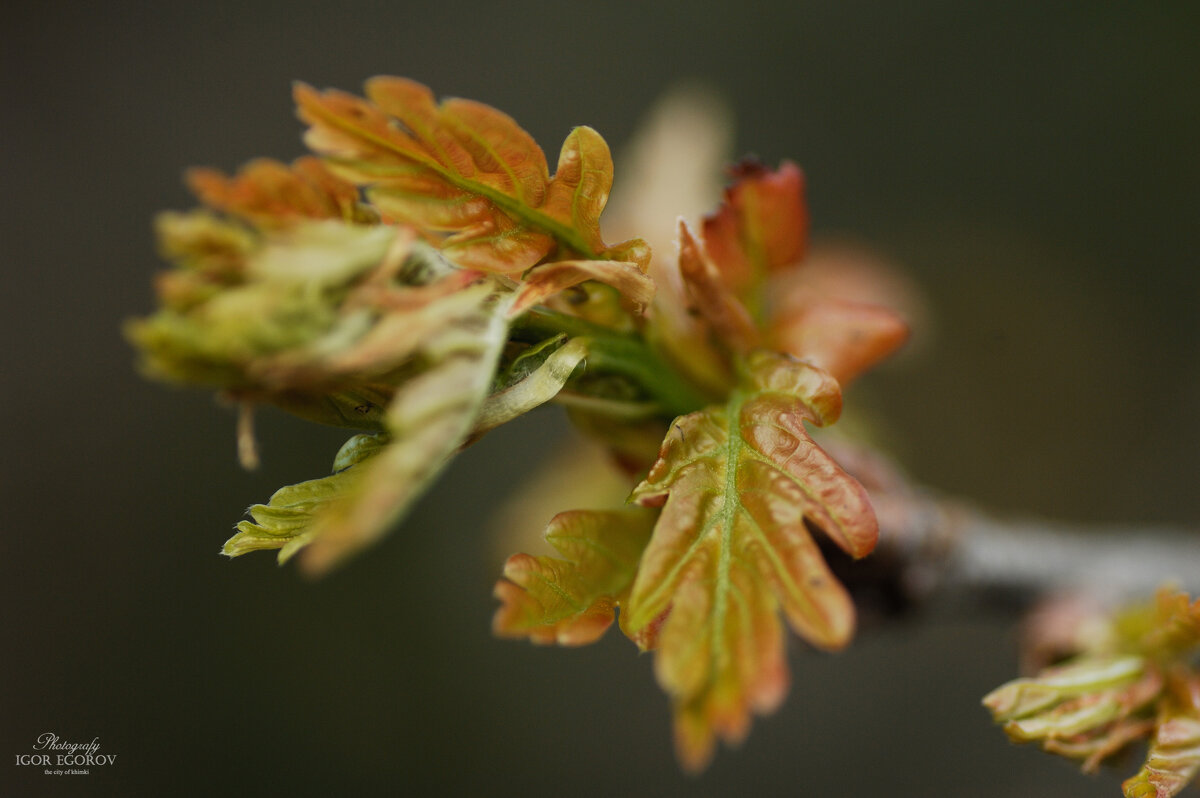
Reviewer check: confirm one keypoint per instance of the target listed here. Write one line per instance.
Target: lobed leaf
(537, 387)
(740, 487)
(285, 521)
(732, 327)
(427, 420)
(634, 286)
(841, 337)
(1096, 745)
(215, 340)
(1088, 709)
(739, 285)
(269, 193)
(210, 253)
(200, 241)
(1174, 755)
(1174, 628)
(1138, 681)
(760, 228)
(571, 601)
(1025, 698)
(360, 327)
(467, 170)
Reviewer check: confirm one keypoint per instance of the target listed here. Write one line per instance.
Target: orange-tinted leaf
(614, 296)
(740, 487)
(571, 601)
(581, 184)
(270, 193)
(634, 286)
(726, 316)
(843, 338)
(465, 169)
(761, 227)
(1175, 627)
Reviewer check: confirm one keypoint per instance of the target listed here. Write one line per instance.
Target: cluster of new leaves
(427, 279)
(343, 306)
(741, 485)
(1136, 681)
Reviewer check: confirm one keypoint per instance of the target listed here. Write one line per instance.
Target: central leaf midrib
(729, 509)
(561, 592)
(525, 213)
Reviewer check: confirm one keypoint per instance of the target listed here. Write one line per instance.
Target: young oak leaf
(746, 283)
(285, 522)
(1174, 755)
(842, 337)
(355, 326)
(210, 254)
(535, 388)
(1094, 706)
(1173, 628)
(467, 170)
(732, 326)
(740, 487)
(1082, 698)
(285, 296)
(633, 285)
(572, 601)
(429, 418)
(759, 229)
(757, 238)
(323, 319)
(269, 193)
(1135, 681)
(442, 351)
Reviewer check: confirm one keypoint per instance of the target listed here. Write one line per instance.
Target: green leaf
(532, 389)
(288, 296)
(571, 601)
(324, 319)
(740, 487)
(1174, 756)
(1088, 709)
(1137, 680)
(1025, 698)
(285, 522)
(210, 253)
(428, 419)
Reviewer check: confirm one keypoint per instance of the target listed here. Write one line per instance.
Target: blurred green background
(1034, 166)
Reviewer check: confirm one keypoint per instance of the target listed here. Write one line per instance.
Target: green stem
(612, 352)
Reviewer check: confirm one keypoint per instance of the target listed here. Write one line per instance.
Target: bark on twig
(931, 546)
